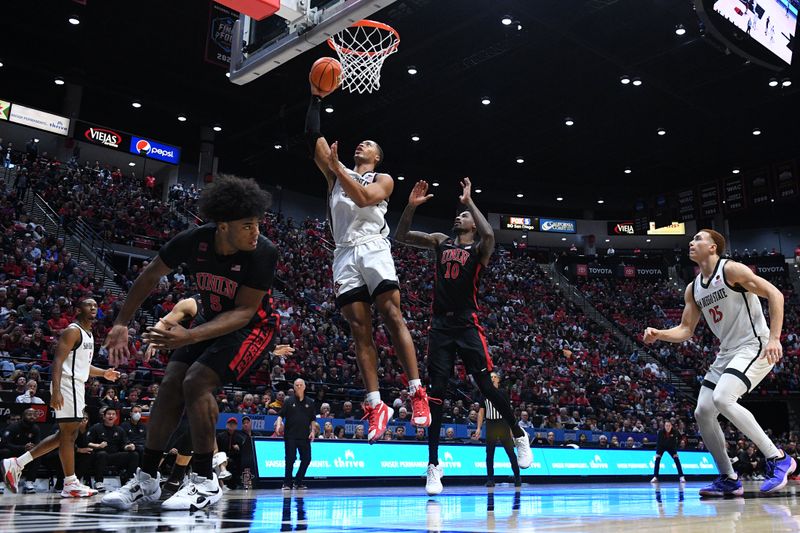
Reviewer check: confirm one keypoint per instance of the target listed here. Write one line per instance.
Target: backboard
(261, 46)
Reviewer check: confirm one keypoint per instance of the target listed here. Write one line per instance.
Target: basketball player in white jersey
(363, 268)
(726, 294)
(71, 369)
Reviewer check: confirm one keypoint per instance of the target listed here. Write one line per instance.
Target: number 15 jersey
(455, 294)
(734, 315)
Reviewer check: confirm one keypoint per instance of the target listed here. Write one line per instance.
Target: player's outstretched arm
(403, 232)
(484, 228)
(316, 142)
(741, 275)
(117, 339)
(684, 330)
(246, 305)
(184, 309)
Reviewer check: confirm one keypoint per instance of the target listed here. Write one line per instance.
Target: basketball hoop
(362, 49)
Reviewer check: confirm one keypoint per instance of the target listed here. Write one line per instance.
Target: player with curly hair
(234, 266)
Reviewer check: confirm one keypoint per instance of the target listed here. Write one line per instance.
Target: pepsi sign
(155, 150)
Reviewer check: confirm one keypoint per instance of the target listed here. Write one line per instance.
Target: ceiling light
(507, 20)
(74, 20)
(680, 30)
(485, 100)
(648, 240)
(435, 183)
(608, 240)
(772, 200)
(628, 170)
(563, 238)
(329, 109)
(756, 131)
(1, 64)
(624, 80)
(568, 121)
(519, 26)
(412, 70)
(136, 103)
(601, 201)
(520, 195)
(277, 146)
(400, 178)
(520, 160)
(524, 235)
(637, 81)
(415, 138)
(559, 198)
(786, 82)
(661, 131)
(773, 82)
(36, 140)
(478, 191)
(131, 164)
(181, 118)
(59, 81)
(736, 170)
(217, 128)
(227, 74)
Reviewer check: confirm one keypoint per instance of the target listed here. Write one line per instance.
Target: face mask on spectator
(136, 416)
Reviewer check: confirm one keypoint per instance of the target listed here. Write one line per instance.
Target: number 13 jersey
(734, 315)
(455, 295)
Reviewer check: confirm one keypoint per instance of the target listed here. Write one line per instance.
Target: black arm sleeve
(313, 122)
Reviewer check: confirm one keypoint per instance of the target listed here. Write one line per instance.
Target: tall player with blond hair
(726, 294)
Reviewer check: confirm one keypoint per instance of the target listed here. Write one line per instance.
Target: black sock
(150, 460)
(178, 471)
(202, 464)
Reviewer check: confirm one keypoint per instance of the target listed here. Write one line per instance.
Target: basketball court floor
(580, 507)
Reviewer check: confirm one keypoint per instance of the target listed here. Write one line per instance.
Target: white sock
(24, 459)
(726, 397)
(413, 385)
(70, 479)
(373, 398)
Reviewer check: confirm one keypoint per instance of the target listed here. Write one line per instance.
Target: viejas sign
(102, 136)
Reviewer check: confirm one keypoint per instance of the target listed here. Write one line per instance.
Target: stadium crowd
(561, 369)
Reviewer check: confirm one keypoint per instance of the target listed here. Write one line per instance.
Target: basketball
(326, 74)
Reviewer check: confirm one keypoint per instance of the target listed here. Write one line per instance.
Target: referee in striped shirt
(496, 429)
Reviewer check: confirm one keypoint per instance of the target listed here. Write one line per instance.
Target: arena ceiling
(566, 61)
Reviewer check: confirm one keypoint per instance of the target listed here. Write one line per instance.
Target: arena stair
(628, 343)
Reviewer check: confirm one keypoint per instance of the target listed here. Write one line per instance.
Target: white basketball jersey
(350, 224)
(80, 359)
(734, 315)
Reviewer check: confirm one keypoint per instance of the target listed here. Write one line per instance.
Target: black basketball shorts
(469, 343)
(234, 355)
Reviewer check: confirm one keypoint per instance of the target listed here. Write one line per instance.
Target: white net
(362, 49)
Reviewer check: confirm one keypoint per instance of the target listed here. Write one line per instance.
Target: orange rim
(370, 24)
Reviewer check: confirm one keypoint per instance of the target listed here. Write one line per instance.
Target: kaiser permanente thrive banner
(41, 120)
(353, 459)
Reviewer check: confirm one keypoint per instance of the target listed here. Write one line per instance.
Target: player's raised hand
(333, 160)
(650, 335)
(466, 193)
(117, 344)
(171, 339)
(419, 194)
(773, 352)
(283, 349)
(316, 92)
